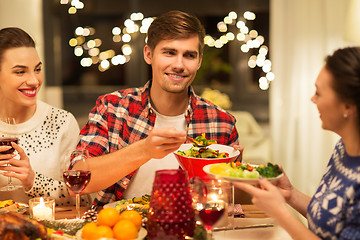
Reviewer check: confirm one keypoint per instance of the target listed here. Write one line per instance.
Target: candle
(42, 209)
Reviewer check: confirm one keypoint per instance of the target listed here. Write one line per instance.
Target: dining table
(254, 224)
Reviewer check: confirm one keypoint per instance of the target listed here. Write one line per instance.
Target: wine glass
(212, 207)
(6, 140)
(76, 180)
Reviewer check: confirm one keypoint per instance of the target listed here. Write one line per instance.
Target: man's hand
(241, 149)
(162, 141)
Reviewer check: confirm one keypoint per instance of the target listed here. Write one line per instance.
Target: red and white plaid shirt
(125, 116)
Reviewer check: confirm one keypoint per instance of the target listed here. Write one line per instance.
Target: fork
(196, 143)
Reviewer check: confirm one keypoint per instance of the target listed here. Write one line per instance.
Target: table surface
(250, 211)
(253, 216)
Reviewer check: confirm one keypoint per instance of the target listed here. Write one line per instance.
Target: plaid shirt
(124, 117)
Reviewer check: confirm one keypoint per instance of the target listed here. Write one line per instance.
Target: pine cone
(90, 215)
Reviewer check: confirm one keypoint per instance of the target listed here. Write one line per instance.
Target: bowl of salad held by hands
(193, 158)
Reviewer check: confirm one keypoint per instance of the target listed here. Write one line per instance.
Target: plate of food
(243, 172)
(110, 225)
(12, 206)
(140, 204)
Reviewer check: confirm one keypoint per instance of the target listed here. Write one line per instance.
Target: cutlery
(245, 227)
(59, 209)
(196, 143)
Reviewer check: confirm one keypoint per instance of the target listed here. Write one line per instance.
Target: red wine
(210, 214)
(6, 141)
(77, 180)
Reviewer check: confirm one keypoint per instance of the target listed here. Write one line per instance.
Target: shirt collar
(145, 100)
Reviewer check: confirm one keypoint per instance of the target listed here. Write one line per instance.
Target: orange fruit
(104, 232)
(125, 230)
(108, 217)
(88, 232)
(132, 216)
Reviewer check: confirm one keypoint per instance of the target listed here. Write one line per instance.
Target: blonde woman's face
(20, 76)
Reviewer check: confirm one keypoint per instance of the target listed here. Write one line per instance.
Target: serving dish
(16, 207)
(194, 166)
(252, 181)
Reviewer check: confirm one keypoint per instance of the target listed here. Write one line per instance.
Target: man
(132, 133)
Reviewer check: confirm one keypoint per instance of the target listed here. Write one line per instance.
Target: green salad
(196, 152)
(245, 170)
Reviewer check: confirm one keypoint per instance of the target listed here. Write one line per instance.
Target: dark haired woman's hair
(175, 25)
(13, 38)
(344, 65)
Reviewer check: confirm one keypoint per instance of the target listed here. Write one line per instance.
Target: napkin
(238, 211)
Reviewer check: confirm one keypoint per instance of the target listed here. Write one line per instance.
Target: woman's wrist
(291, 199)
(29, 183)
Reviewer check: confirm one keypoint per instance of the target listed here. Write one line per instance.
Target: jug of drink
(171, 215)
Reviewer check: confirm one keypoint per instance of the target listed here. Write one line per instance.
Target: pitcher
(171, 215)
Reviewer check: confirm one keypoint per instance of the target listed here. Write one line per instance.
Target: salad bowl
(194, 166)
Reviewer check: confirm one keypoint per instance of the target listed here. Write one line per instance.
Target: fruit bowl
(194, 166)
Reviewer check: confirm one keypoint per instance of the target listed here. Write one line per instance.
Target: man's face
(174, 63)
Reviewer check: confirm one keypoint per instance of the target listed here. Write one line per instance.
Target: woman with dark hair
(334, 210)
(45, 133)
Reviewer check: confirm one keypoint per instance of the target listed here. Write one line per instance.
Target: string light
(137, 23)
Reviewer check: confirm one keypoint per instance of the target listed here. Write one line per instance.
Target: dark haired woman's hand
(19, 168)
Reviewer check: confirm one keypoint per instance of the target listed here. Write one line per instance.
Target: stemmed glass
(212, 207)
(76, 180)
(6, 141)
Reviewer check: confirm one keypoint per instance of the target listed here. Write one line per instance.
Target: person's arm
(296, 199)
(110, 168)
(299, 201)
(270, 199)
(48, 187)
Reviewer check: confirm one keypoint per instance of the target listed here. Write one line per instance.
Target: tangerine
(104, 232)
(125, 230)
(88, 232)
(108, 217)
(132, 216)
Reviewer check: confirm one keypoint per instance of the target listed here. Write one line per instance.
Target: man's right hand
(162, 141)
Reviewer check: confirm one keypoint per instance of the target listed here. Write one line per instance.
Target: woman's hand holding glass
(11, 166)
(19, 168)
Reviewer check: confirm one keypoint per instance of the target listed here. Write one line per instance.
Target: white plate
(142, 234)
(236, 179)
(23, 207)
(111, 205)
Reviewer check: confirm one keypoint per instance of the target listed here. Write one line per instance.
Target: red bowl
(194, 166)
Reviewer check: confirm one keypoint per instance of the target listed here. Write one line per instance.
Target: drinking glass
(6, 141)
(76, 180)
(212, 207)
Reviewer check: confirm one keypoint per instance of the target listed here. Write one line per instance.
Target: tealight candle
(42, 208)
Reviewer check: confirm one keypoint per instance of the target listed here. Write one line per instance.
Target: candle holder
(42, 208)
